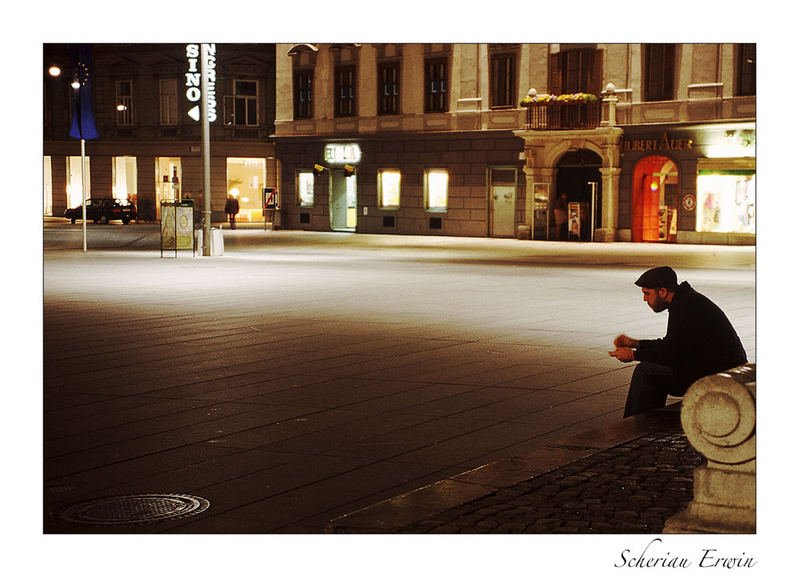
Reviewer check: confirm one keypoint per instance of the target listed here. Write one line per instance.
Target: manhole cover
(135, 509)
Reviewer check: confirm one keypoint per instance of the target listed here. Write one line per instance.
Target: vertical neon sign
(193, 80)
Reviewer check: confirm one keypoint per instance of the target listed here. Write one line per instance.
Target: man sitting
(700, 341)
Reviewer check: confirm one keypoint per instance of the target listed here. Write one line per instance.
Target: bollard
(718, 415)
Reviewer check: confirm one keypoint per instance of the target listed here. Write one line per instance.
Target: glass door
(343, 200)
(168, 181)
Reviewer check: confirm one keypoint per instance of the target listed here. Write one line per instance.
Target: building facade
(149, 144)
(591, 142)
(603, 142)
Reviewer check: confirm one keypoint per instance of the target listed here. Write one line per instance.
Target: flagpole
(83, 189)
(83, 127)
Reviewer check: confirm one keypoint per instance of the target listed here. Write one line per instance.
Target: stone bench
(718, 415)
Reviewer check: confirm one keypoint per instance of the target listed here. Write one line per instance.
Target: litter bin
(216, 240)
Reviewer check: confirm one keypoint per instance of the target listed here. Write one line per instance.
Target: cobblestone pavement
(631, 488)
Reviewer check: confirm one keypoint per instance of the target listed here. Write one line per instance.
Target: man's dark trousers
(650, 385)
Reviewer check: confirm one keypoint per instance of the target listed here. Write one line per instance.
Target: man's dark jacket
(699, 341)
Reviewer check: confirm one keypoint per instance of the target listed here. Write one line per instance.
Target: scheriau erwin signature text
(653, 556)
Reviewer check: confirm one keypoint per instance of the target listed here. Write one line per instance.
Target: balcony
(565, 112)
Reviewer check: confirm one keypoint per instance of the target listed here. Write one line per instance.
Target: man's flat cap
(658, 277)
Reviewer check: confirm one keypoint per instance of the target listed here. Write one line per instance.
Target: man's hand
(622, 353)
(625, 341)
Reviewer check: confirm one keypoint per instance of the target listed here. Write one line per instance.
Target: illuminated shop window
(246, 178)
(389, 189)
(74, 182)
(305, 188)
(123, 176)
(436, 190)
(48, 186)
(169, 177)
(726, 202)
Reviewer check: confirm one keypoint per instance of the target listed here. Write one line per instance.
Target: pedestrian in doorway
(700, 341)
(232, 209)
(560, 214)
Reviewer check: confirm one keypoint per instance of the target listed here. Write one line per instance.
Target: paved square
(302, 376)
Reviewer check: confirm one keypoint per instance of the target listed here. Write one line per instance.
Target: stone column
(529, 196)
(718, 415)
(610, 205)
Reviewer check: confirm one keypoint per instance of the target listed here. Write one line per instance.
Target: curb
(395, 513)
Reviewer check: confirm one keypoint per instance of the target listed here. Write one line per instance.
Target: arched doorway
(578, 177)
(654, 203)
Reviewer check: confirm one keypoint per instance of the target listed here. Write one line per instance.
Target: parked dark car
(104, 210)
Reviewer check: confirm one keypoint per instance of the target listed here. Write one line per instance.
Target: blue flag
(82, 109)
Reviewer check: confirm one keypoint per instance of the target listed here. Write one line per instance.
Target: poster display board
(177, 226)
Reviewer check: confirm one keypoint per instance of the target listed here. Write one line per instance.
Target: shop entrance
(579, 179)
(343, 201)
(654, 202)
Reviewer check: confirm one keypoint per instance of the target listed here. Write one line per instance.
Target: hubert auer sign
(664, 143)
(193, 80)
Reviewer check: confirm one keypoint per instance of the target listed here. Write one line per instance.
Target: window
(436, 85)
(305, 188)
(576, 70)
(503, 80)
(303, 93)
(747, 70)
(241, 108)
(168, 101)
(726, 201)
(388, 88)
(389, 189)
(124, 102)
(436, 190)
(659, 74)
(345, 87)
